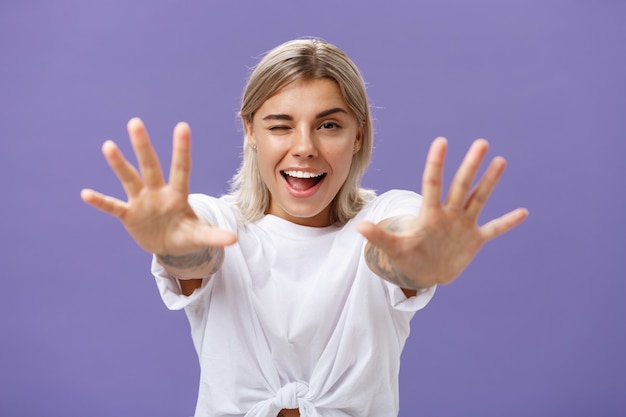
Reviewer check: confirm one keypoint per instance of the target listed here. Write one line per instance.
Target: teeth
(303, 174)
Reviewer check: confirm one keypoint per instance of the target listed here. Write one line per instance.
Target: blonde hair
(304, 59)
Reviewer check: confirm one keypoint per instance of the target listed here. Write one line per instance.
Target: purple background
(535, 326)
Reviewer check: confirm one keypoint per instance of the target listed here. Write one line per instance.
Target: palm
(440, 242)
(436, 245)
(157, 214)
(161, 219)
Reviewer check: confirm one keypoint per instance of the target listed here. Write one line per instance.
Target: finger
(503, 224)
(432, 178)
(477, 200)
(464, 177)
(146, 156)
(181, 159)
(125, 172)
(208, 236)
(105, 203)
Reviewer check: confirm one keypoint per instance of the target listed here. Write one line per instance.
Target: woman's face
(305, 137)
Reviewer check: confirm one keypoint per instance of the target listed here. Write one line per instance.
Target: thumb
(210, 236)
(376, 235)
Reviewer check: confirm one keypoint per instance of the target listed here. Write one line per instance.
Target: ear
(250, 133)
(358, 141)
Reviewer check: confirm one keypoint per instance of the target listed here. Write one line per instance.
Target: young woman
(299, 285)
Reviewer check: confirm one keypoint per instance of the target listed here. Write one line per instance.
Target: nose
(303, 144)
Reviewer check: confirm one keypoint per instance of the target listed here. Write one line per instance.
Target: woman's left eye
(329, 125)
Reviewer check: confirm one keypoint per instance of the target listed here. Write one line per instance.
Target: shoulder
(398, 196)
(218, 211)
(391, 203)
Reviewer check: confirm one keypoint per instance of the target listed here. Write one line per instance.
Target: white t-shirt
(296, 319)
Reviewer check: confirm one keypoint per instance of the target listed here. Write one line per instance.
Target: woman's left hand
(435, 246)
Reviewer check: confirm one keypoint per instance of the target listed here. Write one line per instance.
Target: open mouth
(302, 180)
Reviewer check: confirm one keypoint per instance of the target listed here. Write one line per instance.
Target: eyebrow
(325, 113)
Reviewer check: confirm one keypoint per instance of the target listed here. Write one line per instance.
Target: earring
(254, 147)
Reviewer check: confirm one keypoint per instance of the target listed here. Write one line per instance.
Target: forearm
(382, 266)
(191, 269)
(201, 264)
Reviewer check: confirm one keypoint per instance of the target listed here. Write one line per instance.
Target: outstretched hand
(157, 214)
(435, 246)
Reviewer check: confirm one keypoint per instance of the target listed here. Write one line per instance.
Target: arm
(436, 245)
(378, 261)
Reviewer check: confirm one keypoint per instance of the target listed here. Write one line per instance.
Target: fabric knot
(287, 396)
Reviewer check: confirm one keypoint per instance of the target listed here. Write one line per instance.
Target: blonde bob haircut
(304, 59)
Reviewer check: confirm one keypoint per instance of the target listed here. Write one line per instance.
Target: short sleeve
(400, 302)
(170, 291)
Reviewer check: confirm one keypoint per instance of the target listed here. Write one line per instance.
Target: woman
(299, 285)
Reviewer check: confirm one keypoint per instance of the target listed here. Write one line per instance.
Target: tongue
(302, 184)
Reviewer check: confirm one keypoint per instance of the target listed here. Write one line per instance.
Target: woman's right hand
(157, 214)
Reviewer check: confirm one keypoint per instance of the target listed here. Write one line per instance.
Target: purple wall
(534, 327)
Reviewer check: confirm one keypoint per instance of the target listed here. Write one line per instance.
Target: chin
(314, 218)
